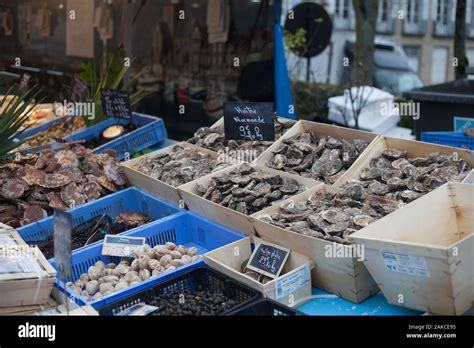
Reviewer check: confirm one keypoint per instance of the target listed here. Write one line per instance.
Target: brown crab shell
(107, 184)
(132, 218)
(55, 180)
(14, 188)
(72, 196)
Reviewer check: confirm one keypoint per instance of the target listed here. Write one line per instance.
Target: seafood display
(99, 141)
(180, 166)
(96, 229)
(192, 302)
(395, 176)
(247, 189)
(102, 280)
(332, 216)
(263, 279)
(31, 185)
(58, 130)
(213, 138)
(324, 159)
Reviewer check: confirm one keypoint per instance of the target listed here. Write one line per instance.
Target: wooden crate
(29, 288)
(344, 275)
(151, 185)
(421, 256)
(413, 148)
(224, 215)
(319, 130)
(220, 122)
(229, 258)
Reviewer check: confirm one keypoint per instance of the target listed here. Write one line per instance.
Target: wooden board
(24, 289)
(224, 215)
(319, 130)
(346, 277)
(151, 185)
(434, 233)
(229, 258)
(413, 148)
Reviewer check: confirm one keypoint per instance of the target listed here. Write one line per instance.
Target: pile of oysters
(31, 185)
(213, 138)
(180, 166)
(325, 159)
(332, 216)
(247, 189)
(395, 176)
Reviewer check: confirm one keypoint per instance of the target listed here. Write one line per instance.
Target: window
(439, 65)
(413, 11)
(442, 12)
(342, 9)
(384, 11)
(413, 54)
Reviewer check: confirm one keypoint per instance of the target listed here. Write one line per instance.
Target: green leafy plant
(14, 114)
(110, 77)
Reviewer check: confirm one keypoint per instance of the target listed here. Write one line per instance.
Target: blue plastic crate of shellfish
(454, 139)
(41, 128)
(185, 228)
(151, 130)
(131, 199)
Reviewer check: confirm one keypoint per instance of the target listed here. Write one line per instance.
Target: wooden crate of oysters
(233, 194)
(213, 138)
(232, 260)
(318, 151)
(26, 277)
(318, 223)
(405, 170)
(162, 172)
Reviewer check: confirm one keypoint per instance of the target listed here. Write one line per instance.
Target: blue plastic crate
(185, 228)
(150, 132)
(35, 130)
(131, 199)
(454, 139)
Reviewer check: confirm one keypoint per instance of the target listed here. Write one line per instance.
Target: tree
(366, 19)
(460, 40)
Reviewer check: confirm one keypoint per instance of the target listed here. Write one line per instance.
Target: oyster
(213, 139)
(396, 176)
(332, 216)
(179, 166)
(324, 159)
(247, 189)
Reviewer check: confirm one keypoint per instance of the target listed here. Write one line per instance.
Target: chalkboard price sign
(249, 121)
(116, 103)
(62, 227)
(268, 259)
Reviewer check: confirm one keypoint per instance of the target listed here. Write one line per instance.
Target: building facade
(423, 28)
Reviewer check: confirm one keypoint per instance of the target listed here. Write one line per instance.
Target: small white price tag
(140, 309)
(290, 283)
(122, 246)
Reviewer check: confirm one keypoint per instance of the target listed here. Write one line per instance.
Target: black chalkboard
(62, 226)
(249, 121)
(78, 90)
(268, 259)
(116, 103)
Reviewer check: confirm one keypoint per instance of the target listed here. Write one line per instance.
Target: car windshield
(396, 81)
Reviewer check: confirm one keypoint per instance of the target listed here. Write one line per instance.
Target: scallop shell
(53, 181)
(106, 183)
(14, 188)
(72, 196)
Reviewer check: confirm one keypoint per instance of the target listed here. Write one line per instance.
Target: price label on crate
(116, 103)
(122, 246)
(62, 227)
(249, 121)
(268, 259)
